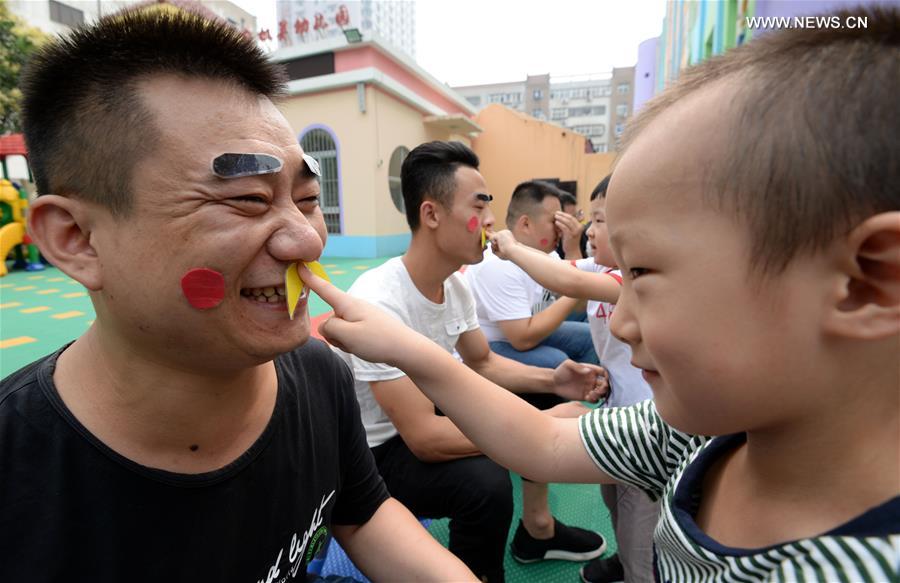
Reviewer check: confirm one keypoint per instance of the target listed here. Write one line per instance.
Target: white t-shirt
(390, 288)
(628, 386)
(504, 291)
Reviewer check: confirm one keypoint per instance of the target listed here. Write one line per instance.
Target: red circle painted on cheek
(544, 242)
(472, 224)
(204, 288)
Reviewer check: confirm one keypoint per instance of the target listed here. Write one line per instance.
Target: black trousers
(474, 492)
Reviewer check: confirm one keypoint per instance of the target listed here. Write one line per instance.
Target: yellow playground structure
(13, 203)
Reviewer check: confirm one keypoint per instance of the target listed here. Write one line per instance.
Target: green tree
(17, 42)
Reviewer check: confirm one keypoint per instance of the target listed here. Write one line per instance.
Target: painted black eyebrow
(484, 197)
(239, 165)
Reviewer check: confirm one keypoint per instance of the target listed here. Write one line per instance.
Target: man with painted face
(426, 461)
(521, 319)
(194, 432)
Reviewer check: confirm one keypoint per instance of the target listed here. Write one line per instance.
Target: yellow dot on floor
(55, 279)
(44, 292)
(74, 295)
(66, 315)
(73, 282)
(24, 288)
(10, 305)
(330, 265)
(361, 267)
(338, 272)
(35, 277)
(35, 310)
(16, 341)
(7, 284)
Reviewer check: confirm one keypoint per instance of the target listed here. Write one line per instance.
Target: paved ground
(41, 311)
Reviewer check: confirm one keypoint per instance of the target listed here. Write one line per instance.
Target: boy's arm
(431, 438)
(526, 333)
(503, 426)
(393, 546)
(553, 274)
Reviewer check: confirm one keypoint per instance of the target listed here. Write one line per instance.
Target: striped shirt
(634, 445)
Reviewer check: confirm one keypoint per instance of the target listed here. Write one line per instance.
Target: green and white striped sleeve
(634, 445)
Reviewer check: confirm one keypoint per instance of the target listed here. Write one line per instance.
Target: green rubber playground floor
(41, 311)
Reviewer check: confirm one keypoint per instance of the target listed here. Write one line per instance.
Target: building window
(599, 148)
(622, 89)
(622, 110)
(537, 94)
(560, 113)
(394, 185)
(320, 144)
(474, 99)
(598, 110)
(537, 113)
(67, 15)
(620, 127)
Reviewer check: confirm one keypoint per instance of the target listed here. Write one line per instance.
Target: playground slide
(10, 236)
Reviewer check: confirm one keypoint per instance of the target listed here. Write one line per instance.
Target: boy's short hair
(85, 123)
(601, 188)
(814, 147)
(526, 198)
(429, 171)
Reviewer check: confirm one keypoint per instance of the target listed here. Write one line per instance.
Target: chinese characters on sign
(333, 19)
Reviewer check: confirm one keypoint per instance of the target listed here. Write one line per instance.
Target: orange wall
(515, 147)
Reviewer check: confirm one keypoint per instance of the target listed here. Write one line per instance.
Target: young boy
(754, 215)
(634, 515)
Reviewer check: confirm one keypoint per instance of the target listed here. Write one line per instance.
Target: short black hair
(566, 197)
(85, 123)
(600, 189)
(429, 172)
(527, 197)
(814, 133)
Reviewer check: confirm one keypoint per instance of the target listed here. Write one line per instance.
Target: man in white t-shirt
(522, 320)
(426, 461)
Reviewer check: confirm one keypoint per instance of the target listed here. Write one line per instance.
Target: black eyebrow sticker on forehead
(312, 164)
(484, 197)
(234, 165)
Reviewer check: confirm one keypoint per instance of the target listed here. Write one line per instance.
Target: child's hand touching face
(502, 243)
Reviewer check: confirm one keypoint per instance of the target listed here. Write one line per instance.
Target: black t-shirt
(71, 509)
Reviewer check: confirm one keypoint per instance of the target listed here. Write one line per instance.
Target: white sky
(468, 42)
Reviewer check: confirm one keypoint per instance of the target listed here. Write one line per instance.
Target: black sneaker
(568, 544)
(603, 571)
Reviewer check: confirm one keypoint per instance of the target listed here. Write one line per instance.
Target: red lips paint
(472, 224)
(204, 288)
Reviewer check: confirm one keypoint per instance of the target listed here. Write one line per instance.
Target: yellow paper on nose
(317, 269)
(293, 285)
(483, 237)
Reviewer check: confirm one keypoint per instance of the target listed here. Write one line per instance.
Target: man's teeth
(270, 295)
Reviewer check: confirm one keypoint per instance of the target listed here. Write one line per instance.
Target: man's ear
(60, 228)
(428, 215)
(869, 303)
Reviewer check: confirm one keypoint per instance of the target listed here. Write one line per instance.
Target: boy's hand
(581, 382)
(567, 410)
(570, 231)
(359, 327)
(502, 243)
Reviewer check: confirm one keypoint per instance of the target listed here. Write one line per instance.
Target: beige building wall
(366, 141)
(514, 148)
(355, 132)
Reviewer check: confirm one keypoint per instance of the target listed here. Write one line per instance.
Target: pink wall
(368, 56)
